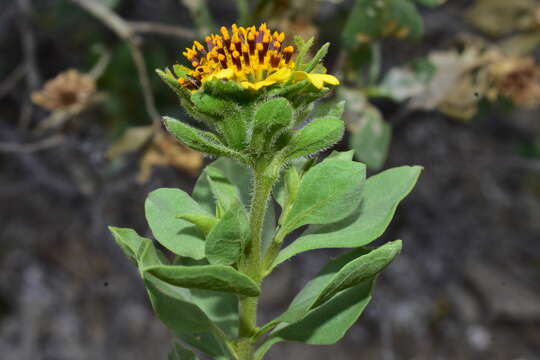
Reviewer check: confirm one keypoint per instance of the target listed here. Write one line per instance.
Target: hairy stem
(265, 178)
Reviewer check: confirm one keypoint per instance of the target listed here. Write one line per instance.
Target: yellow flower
(318, 80)
(254, 57)
(281, 75)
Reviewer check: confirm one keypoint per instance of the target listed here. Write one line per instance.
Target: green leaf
(206, 277)
(328, 323)
(220, 307)
(138, 249)
(128, 240)
(362, 269)
(180, 71)
(199, 140)
(149, 255)
(410, 23)
(318, 135)
(330, 108)
(279, 192)
(382, 194)
(321, 53)
(213, 105)
(228, 89)
(371, 138)
(169, 79)
(234, 128)
(227, 238)
(270, 117)
(184, 318)
(325, 324)
(240, 176)
(203, 222)
(226, 193)
(305, 300)
(303, 48)
(342, 155)
(431, 3)
(179, 236)
(370, 20)
(234, 172)
(328, 192)
(179, 352)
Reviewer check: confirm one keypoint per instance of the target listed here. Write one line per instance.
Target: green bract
(224, 238)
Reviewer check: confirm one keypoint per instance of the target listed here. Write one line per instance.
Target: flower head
(253, 57)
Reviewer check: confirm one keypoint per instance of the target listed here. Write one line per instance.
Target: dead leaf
(131, 140)
(502, 17)
(518, 79)
(460, 81)
(165, 151)
(69, 90)
(521, 44)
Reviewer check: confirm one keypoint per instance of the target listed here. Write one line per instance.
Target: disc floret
(254, 57)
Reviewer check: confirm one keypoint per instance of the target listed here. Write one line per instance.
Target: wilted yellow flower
(68, 90)
(253, 57)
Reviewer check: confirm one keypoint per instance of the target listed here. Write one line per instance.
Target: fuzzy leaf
(199, 140)
(225, 242)
(171, 81)
(270, 117)
(328, 323)
(179, 236)
(325, 324)
(303, 48)
(240, 176)
(220, 307)
(234, 128)
(321, 53)
(342, 155)
(184, 318)
(318, 135)
(362, 269)
(234, 173)
(346, 271)
(206, 277)
(180, 71)
(328, 192)
(226, 193)
(382, 194)
(304, 301)
(212, 105)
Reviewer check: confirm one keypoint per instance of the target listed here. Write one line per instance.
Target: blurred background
(453, 86)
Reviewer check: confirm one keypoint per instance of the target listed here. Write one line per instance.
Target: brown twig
(11, 80)
(32, 147)
(146, 27)
(125, 31)
(101, 65)
(30, 61)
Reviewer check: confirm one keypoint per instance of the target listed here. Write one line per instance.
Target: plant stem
(265, 178)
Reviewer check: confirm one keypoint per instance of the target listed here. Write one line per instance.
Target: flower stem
(265, 177)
